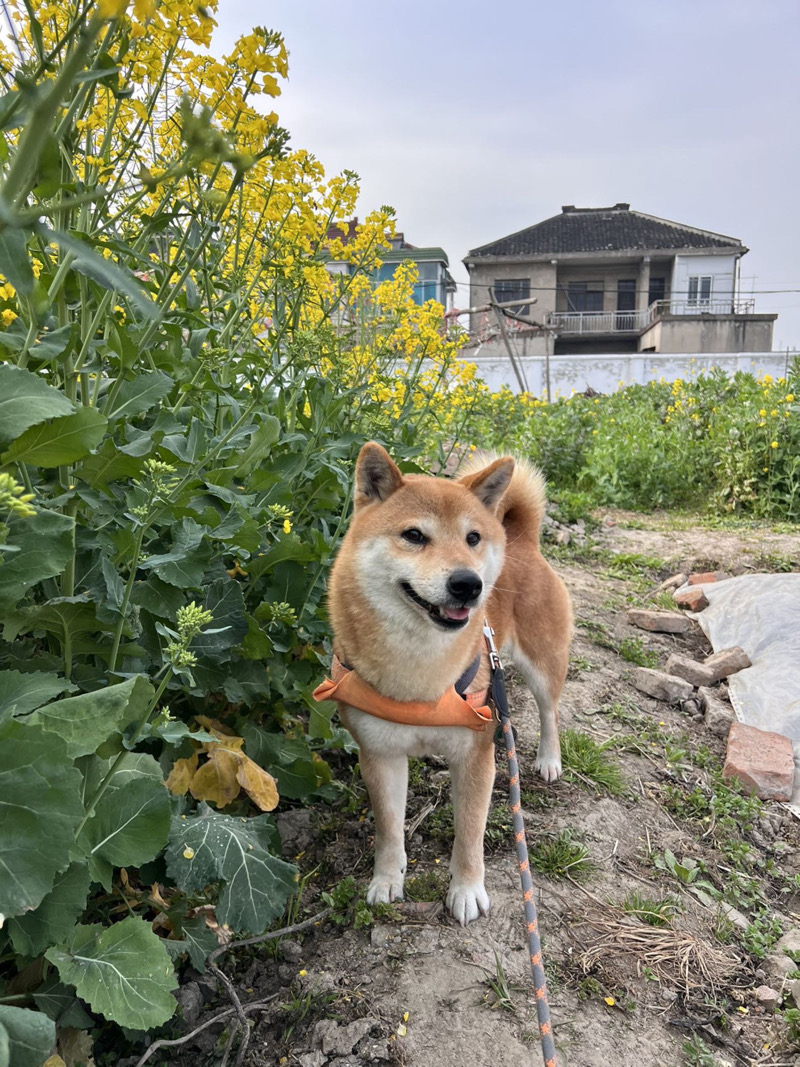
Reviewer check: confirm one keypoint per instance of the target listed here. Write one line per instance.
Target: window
(699, 290)
(585, 296)
(506, 289)
(626, 295)
(657, 290)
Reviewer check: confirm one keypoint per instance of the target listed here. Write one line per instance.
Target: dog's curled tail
(522, 506)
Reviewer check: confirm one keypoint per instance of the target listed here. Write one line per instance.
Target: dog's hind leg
(546, 689)
(386, 778)
(472, 777)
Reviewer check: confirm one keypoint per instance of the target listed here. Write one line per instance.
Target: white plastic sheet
(761, 614)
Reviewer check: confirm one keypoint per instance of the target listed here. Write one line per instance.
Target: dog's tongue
(456, 613)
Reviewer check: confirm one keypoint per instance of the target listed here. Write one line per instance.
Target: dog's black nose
(464, 585)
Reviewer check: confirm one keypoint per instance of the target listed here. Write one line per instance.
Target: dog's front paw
(548, 762)
(466, 901)
(385, 889)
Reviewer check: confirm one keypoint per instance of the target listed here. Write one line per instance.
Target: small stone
(563, 537)
(313, 1059)
(693, 599)
(675, 582)
(341, 1040)
(692, 708)
(689, 669)
(661, 622)
(423, 909)
(287, 973)
(767, 997)
(761, 760)
(792, 987)
(718, 715)
(662, 686)
(191, 1000)
(290, 950)
(728, 661)
(379, 936)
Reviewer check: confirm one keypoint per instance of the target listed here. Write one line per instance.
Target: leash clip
(494, 656)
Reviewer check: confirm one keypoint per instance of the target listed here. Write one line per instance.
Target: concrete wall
(709, 334)
(542, 277)
(721, 268)
(604, 373)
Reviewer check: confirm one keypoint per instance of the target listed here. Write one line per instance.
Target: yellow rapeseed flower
(774, 444)
(287, 526)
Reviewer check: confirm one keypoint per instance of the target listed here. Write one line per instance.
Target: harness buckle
(494, 656)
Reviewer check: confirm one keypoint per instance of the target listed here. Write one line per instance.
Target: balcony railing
(721, 306)
(598, 321)
(582, 322)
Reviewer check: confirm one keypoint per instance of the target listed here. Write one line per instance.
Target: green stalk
(36, 130)
(137, 548)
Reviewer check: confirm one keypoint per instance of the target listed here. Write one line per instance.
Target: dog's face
(426, 551)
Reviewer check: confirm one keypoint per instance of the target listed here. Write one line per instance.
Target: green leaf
(107, 465)
(30, 1036)
(14, 260)
(46, 543)
(185, 564)
(198, 941)
(139, 394)
(21, 693)
(102, 271)
(131, 823)
(40, 801)
(60, 1003)
(25, 400)
(263, 438)
(219, 847)
(122, 971)
(62, 441)
(225, 602)
(85, 721)
(53, 920)
(62, 615)
(47, 345)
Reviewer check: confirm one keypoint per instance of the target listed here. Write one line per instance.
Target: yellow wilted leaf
(216, 779)
(258, 784)
(54, 1061)
(180, 777)
(214, 726)
(233, 744)
(75, 1047)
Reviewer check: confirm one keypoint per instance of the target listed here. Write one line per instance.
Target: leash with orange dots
(498, 690)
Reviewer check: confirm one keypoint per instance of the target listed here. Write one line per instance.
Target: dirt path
(410, 987)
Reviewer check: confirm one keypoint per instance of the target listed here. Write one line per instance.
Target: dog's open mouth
(447, 618)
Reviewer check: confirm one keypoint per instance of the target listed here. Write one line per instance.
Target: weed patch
(589, 763)
(560, 856)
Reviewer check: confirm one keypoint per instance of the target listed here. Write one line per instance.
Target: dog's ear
(377, 476)
(489, 484)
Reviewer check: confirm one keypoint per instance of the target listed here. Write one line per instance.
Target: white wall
(605, 372)
(721, 268)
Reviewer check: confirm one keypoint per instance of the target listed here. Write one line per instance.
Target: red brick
(661, 622)
(762, 761)
(702, 578)
(662, 686)
(693, 599)
(728, 661)
(689, 669)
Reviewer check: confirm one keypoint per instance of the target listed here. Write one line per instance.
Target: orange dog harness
(449, 710)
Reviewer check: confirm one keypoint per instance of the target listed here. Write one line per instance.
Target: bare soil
(412, 987)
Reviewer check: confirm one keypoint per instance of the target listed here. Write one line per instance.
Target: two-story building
(434, 282)
(604, 280)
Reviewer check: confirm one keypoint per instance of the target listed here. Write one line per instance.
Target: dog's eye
(414, 536)
(473, 537)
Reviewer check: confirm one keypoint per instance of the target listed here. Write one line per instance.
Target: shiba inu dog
(424, 561)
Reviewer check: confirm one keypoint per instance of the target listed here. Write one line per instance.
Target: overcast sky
(474, 120)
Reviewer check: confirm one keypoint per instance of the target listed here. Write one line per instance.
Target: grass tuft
(652, 912)
(561, 857)
(589, 763)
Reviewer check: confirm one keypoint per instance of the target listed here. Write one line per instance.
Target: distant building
(435, 281)
(613, 280)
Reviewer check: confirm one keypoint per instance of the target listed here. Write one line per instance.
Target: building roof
(603, 229)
